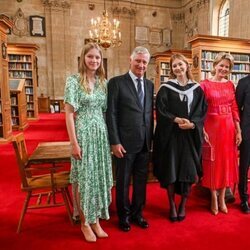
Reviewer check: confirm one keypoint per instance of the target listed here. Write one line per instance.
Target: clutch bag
(208, 152)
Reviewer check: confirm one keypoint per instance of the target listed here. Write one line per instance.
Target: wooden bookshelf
(23, 65)
(162, 61)
(18, 104)
(205, 48)
(5, 115)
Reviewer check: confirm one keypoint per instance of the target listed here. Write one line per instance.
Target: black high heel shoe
(171, 217)
(181, 218)
(183, 212)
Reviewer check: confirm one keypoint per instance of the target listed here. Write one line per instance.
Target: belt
(220, 110)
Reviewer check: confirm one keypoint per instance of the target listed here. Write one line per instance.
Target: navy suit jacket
(129, 124)
(243, 101)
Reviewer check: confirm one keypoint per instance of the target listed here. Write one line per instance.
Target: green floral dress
(93, 173)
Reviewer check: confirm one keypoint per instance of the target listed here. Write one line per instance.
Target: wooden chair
(41, 181)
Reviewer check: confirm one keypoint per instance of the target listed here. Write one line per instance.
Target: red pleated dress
(219, 124)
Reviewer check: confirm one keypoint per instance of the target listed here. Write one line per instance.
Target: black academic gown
(177, 152)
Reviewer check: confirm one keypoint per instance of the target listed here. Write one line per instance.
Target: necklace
(182, 83)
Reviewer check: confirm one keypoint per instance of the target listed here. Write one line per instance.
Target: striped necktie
(139, 91)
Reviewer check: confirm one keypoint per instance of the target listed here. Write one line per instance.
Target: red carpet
(50, 228)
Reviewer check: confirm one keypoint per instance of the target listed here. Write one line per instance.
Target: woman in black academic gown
(180, 111)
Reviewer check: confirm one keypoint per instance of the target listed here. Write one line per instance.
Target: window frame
(223, 19)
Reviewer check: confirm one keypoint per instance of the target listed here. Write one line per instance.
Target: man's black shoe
(245, 207)
(124, 226)
(140, 221)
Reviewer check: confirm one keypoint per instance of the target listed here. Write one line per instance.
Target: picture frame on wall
(37, 26)
(155, 36)
(141, 34)
(167, 37)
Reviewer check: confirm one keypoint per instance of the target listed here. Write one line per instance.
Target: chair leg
(25, 206)
(69, 197)
(66, 202)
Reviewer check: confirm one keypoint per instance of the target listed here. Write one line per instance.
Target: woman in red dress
(221, 131)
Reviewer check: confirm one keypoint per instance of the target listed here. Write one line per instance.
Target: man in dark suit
(130, 128)
(243, 100)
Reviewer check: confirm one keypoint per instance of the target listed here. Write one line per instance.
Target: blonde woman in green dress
(91, 169)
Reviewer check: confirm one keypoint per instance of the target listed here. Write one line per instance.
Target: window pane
(224, 19)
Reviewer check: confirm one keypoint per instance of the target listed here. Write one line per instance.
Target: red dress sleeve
(235, 110)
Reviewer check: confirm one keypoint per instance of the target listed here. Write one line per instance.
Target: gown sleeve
(164, 127)
(162, 111)
(235, 110)
(200, 108)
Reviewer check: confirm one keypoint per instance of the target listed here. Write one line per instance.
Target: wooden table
(51, 152)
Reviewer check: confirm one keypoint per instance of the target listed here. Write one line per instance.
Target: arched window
(224, 19)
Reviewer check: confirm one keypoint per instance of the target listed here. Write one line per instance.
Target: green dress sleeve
(71, 92)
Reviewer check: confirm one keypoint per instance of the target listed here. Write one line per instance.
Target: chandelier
(104, 32)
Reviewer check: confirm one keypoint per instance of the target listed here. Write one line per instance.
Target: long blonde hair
(100, 73)
(184, 59)
(221, 56)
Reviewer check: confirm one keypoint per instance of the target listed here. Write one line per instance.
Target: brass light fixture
(104, 32)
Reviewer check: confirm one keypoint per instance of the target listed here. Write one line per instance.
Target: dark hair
(184, 59)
